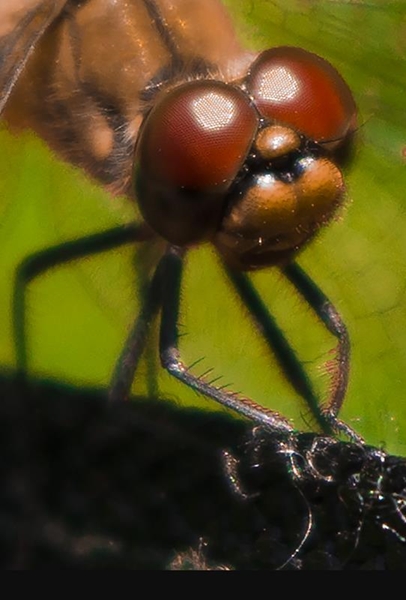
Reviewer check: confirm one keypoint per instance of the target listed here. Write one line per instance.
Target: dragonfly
(213, 142)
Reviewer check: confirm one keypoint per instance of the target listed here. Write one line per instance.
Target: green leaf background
(79, 314)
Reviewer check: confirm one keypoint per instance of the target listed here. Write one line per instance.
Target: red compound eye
(191, 147)
(198, 136)
(302, 90)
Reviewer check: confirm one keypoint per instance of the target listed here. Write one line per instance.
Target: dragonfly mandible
(158, 100)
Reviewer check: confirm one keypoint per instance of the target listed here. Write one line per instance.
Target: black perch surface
(149, 485)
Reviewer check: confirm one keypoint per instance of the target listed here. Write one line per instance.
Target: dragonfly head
(254, 165)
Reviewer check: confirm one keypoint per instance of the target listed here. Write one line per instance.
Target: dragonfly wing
(22, 24)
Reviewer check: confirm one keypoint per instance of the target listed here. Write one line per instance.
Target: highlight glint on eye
(279, 85)
(212, 111)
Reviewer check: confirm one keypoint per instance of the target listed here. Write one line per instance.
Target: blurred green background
(79, 314)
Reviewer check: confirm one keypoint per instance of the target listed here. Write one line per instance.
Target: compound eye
(198, 136)
(190, 149)
(300, 89)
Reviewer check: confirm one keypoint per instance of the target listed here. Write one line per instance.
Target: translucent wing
(22, 24)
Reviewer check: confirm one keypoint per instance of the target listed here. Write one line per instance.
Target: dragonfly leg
(126, 366)
(329, 315)
(38, 263)
(172, 264)
(278, 344)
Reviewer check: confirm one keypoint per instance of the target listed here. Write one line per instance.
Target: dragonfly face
(248, 164)
(156, 99)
